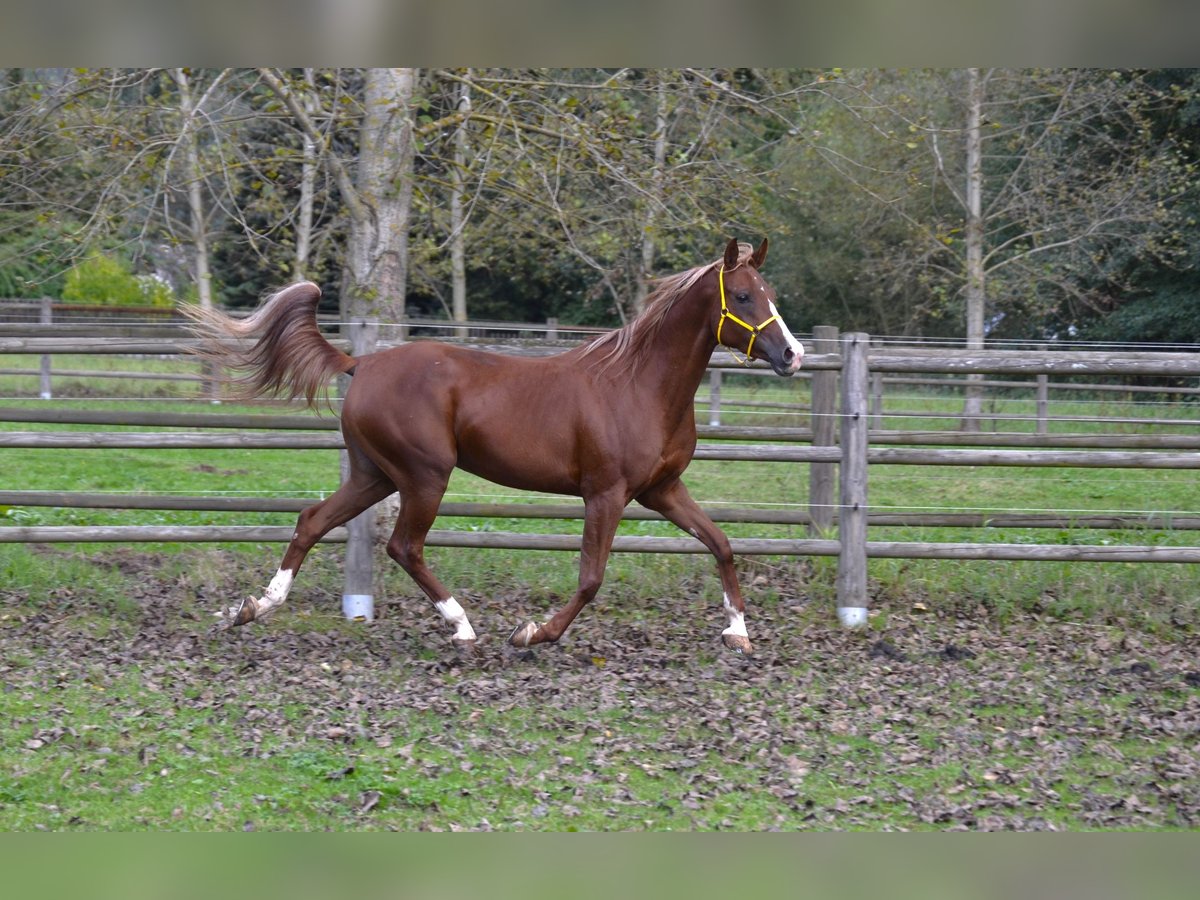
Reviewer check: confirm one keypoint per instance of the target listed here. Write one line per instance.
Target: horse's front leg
(602, 513)
(676, 504)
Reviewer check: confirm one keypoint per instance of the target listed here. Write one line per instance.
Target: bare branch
(354, 203)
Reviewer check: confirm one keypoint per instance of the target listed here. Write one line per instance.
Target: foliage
(27, 264)
(1153, 297)
(579, 182)
(844, 261)
(572, 188)
(106, 280)
(257, 255)
(1167, 316)
(1076, 182)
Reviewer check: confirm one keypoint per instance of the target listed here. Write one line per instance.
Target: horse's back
(434, 372)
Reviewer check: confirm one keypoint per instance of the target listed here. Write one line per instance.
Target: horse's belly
(523, 469)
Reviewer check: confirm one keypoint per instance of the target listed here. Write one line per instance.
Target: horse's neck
(686, 341)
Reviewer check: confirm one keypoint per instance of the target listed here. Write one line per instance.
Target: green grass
(155, 777)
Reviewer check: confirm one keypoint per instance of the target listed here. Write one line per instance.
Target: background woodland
(1046, 204)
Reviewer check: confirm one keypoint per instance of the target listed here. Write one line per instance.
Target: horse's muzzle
(787, 362)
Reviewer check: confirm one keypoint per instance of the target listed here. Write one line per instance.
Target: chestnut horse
(610, 421)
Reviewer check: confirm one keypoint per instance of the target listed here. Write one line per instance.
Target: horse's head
(747, 321)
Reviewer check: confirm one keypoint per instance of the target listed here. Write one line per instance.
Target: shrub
(102, 280)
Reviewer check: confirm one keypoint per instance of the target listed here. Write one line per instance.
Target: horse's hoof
(464, 647)
(738, 643)
(522, 635)
(246, 612)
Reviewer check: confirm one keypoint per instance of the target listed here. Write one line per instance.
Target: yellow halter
(755, 330)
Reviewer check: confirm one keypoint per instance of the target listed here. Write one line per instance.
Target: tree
(458, 218)
(1015, 190)
(565, 179)
(556, 192)
(193, 178)
(308, 177)
(973, 243)
(1152, 296)
(144, 161)
(623, 170)
(1063, 168)
(378, 200)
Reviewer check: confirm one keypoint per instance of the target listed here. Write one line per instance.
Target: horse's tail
(290, 359)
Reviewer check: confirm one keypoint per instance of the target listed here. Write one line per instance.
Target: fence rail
(844, 371)
(167, 339)
(551, 511)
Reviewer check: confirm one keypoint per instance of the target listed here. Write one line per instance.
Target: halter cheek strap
(755, 330)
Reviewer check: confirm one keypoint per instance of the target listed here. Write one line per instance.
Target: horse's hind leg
(418, 509)
(365, 487)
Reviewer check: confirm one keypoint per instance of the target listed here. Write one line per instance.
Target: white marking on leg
(737, 620)
(277, 591)
(453, 613)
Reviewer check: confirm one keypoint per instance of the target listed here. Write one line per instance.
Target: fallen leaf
(368, 800)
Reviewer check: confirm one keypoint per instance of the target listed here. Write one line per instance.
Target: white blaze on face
(797, 347)
(737, 620)
(453, 613)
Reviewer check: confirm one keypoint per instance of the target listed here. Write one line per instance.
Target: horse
(611, 421)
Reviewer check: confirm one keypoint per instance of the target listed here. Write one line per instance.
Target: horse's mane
(626, 346)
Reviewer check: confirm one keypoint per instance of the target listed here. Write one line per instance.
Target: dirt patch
(945, 722)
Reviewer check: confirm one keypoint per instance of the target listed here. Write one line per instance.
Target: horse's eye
(743, 297)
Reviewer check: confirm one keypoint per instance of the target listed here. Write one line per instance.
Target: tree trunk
(211, 385)
(199, 221)
(648, 227)
(308, 177)
(378, 252)
(458, 254)
(975, 289)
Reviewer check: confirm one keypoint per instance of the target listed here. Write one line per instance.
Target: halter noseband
(755, 330)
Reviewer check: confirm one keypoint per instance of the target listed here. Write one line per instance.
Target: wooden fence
(128, 329)
(840, 446)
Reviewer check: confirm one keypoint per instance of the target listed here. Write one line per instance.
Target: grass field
(984, 695)
(126, 710)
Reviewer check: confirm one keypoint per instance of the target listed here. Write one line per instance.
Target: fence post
(552, 328)
(822, 476)
(46, 318)
(358, 598)
(852, 521)
(714, 396)
(877, 399)
(1043, 401)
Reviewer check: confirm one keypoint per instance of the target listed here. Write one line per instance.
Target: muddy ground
(1033, 723)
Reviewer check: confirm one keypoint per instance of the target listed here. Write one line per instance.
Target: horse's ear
(760, 255)
(731, 254)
